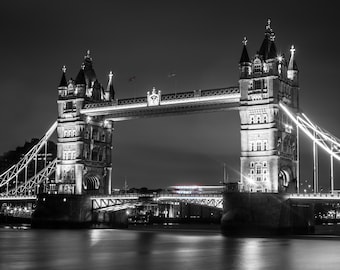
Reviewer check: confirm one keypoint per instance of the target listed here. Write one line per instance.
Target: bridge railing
(317, 196)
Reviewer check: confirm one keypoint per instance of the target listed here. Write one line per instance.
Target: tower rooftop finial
(244, 41)
(292, 50)
(63, 68)
(268, 24)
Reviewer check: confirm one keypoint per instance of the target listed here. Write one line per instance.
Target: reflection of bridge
(268, 102)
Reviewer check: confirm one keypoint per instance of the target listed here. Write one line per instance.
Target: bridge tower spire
(268, 138)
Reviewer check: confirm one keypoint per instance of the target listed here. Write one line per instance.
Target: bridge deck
(167, 104)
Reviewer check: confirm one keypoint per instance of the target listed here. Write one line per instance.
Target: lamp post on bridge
(332, 173)
(315, 165)
(297, 156)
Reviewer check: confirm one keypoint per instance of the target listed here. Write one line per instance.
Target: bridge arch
(92, 182)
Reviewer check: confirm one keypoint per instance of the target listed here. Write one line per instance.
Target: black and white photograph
(162, 134)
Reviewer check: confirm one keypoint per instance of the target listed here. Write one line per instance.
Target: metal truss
(210, 200)
(13, 172)
(320, 136)
(30, 187)
(114, 202)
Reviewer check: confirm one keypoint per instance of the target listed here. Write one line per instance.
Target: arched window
(258, 169)
(265, 118)
(95, 154)
(258, 119)
(252, 146)
(252, 119)
(265, 145)
(257, 65)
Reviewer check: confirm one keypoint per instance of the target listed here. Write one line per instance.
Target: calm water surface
(138, 249)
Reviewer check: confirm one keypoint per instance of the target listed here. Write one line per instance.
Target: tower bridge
(267, 98)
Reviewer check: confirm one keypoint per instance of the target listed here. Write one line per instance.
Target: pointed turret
(90, 75)
(80, 79)
(63, 81)
(292, 72)
(268, 48)
(245, 64)
(244, 56)
(62, 88)
(110, 92)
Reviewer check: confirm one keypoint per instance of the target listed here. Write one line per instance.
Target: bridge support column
(73, 211)
(263, 214)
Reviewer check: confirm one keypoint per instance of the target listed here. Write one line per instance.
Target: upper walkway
(158, 104)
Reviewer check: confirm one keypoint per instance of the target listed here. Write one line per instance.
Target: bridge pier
(265, 214)
(73, 211)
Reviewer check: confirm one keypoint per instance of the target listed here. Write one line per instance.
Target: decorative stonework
(154, 98)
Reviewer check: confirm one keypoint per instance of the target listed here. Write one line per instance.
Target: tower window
(258, 119)
(69, 106)
(258, 146)
(257, 65)
(252, 164)
(95, 134)
(258, 169)
(257, 84)
(252, 146)
(265, 145)
(265, 118)
(252, 119)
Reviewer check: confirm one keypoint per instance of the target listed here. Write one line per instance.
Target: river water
(179, 249)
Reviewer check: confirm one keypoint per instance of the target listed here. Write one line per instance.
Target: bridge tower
(268, 137)
(84, 143)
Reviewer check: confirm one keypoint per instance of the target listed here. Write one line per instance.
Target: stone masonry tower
(268, 137)
(84, 143)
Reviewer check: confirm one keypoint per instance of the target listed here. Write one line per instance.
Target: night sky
(199, 41)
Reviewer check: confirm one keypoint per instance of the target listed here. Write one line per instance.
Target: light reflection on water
(133, 249)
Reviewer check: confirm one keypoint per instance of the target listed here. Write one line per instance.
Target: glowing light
(280, 58)
(88, 118)
(64, 200)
